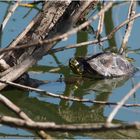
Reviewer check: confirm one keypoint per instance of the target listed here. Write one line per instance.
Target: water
(44, 108)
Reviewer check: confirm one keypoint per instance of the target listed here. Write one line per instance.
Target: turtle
(102, 65)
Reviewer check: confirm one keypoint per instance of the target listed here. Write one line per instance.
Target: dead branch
(30, 58)
(65, 97)
(121, 103)
(109, 36)
(50, 126)
(129, 26)
(10, 13)
(21, 114)
(29, 37)
(100, 25)
(65, 35)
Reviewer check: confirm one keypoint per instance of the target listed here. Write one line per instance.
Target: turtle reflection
(81, 87)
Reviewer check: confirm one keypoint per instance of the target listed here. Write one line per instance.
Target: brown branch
(65, 35)
(109, 36)
(25, 58)
(51, 126)
(121, 103)
(64, 97)
(100, 24)
(129, 26)
(20, 113)
(26, 30)
(14, 108)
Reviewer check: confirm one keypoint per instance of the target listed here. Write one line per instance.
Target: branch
(100, 25)
(65, 35)
(121, 103)
(29, 57)
(50, 126)
(10, 13)
(64, 97)
(20, 113)
(129, 26)
(109, 36)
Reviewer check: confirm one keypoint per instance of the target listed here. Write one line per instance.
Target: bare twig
(122, 24)
(109, 36)
(129, 26)
(20, 113)
(51, 126)
(26, 30)
(65, 35)
(14, 108)
(64, 97)
(121, 103)
(100, 25)
(10, 13)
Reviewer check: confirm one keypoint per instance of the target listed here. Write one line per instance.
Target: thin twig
(109, 36)
(121, 103)
(129, 26)
(20, 113)
(100, 25)
(26, 30)
(64, 97)
(51, 126)
(65, 35)
(14, 108)
(10, 13)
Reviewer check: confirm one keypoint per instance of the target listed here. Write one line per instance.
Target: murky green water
(43, 108)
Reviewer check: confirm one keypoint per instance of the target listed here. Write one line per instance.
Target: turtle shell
(110, 65)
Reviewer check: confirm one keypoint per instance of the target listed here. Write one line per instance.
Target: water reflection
(101, 89)
(68, 111)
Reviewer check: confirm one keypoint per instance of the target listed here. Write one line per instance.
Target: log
(57, 18)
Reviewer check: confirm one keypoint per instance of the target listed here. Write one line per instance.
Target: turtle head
(76, 66)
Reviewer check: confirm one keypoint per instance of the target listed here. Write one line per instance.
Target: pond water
(44, 108)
